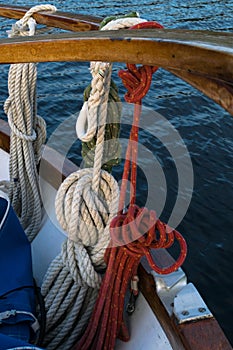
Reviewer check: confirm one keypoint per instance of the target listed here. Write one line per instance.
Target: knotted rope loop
(21, 135)
(84, 214)
(28, 133)
(137, 80)
(26, 26)
(139, 231)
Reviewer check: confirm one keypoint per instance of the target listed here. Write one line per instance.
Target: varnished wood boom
(197, 57)
(201, 58)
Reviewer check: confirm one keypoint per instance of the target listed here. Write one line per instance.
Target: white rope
(28, 133)
(86, 203)
(26, 26)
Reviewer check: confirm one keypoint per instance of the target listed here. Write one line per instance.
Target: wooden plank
(62, 20)
(218, 91)
(169, 49)
(203, 335)
(54, 168)
(4, 135)
(147, 287)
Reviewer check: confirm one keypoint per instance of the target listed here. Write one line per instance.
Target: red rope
(134, 232)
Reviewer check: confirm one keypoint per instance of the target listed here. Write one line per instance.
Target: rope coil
(28, 133)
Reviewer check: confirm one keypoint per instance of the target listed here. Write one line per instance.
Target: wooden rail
(191, 55)
(62, 20)
(200, 60)
(203, 334)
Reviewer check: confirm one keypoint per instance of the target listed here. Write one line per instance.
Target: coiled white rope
(86, 203)
(28, 133)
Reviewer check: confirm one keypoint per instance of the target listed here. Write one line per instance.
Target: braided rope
(28, 133)
(85, 205)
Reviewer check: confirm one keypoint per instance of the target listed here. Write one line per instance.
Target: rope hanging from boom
(28, 133)
(134, 231)
(86, 203)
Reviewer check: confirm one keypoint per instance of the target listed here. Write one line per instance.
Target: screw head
(185, 313)
(201, 309)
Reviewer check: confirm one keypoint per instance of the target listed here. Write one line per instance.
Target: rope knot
(130, 227)
(137, 81)
(26, 26)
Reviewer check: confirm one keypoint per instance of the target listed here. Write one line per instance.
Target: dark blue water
(205, 128)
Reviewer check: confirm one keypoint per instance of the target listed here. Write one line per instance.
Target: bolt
(185, 313)
(202, 309)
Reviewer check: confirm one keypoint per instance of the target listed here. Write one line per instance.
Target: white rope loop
(28, 132)
(85, 215)
(87, 121)
(26, 26)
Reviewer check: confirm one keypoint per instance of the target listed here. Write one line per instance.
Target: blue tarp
(17, 300)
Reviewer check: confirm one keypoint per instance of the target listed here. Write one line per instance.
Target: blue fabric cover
(16, 279)
(7, 343)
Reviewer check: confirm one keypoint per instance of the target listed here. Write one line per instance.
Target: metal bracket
(179, 298)
(168, 286)
(189, 305)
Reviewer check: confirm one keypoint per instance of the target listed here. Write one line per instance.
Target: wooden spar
(62, 20)
(203, 334)
(218, 90)
(185, 53)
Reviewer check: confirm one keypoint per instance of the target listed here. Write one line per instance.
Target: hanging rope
(112, 150)
(28, 133)
(133, 233)
(86, 203)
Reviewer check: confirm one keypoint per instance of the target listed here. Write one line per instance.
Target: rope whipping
(86, 203)
(134, 231)
(28, 133)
